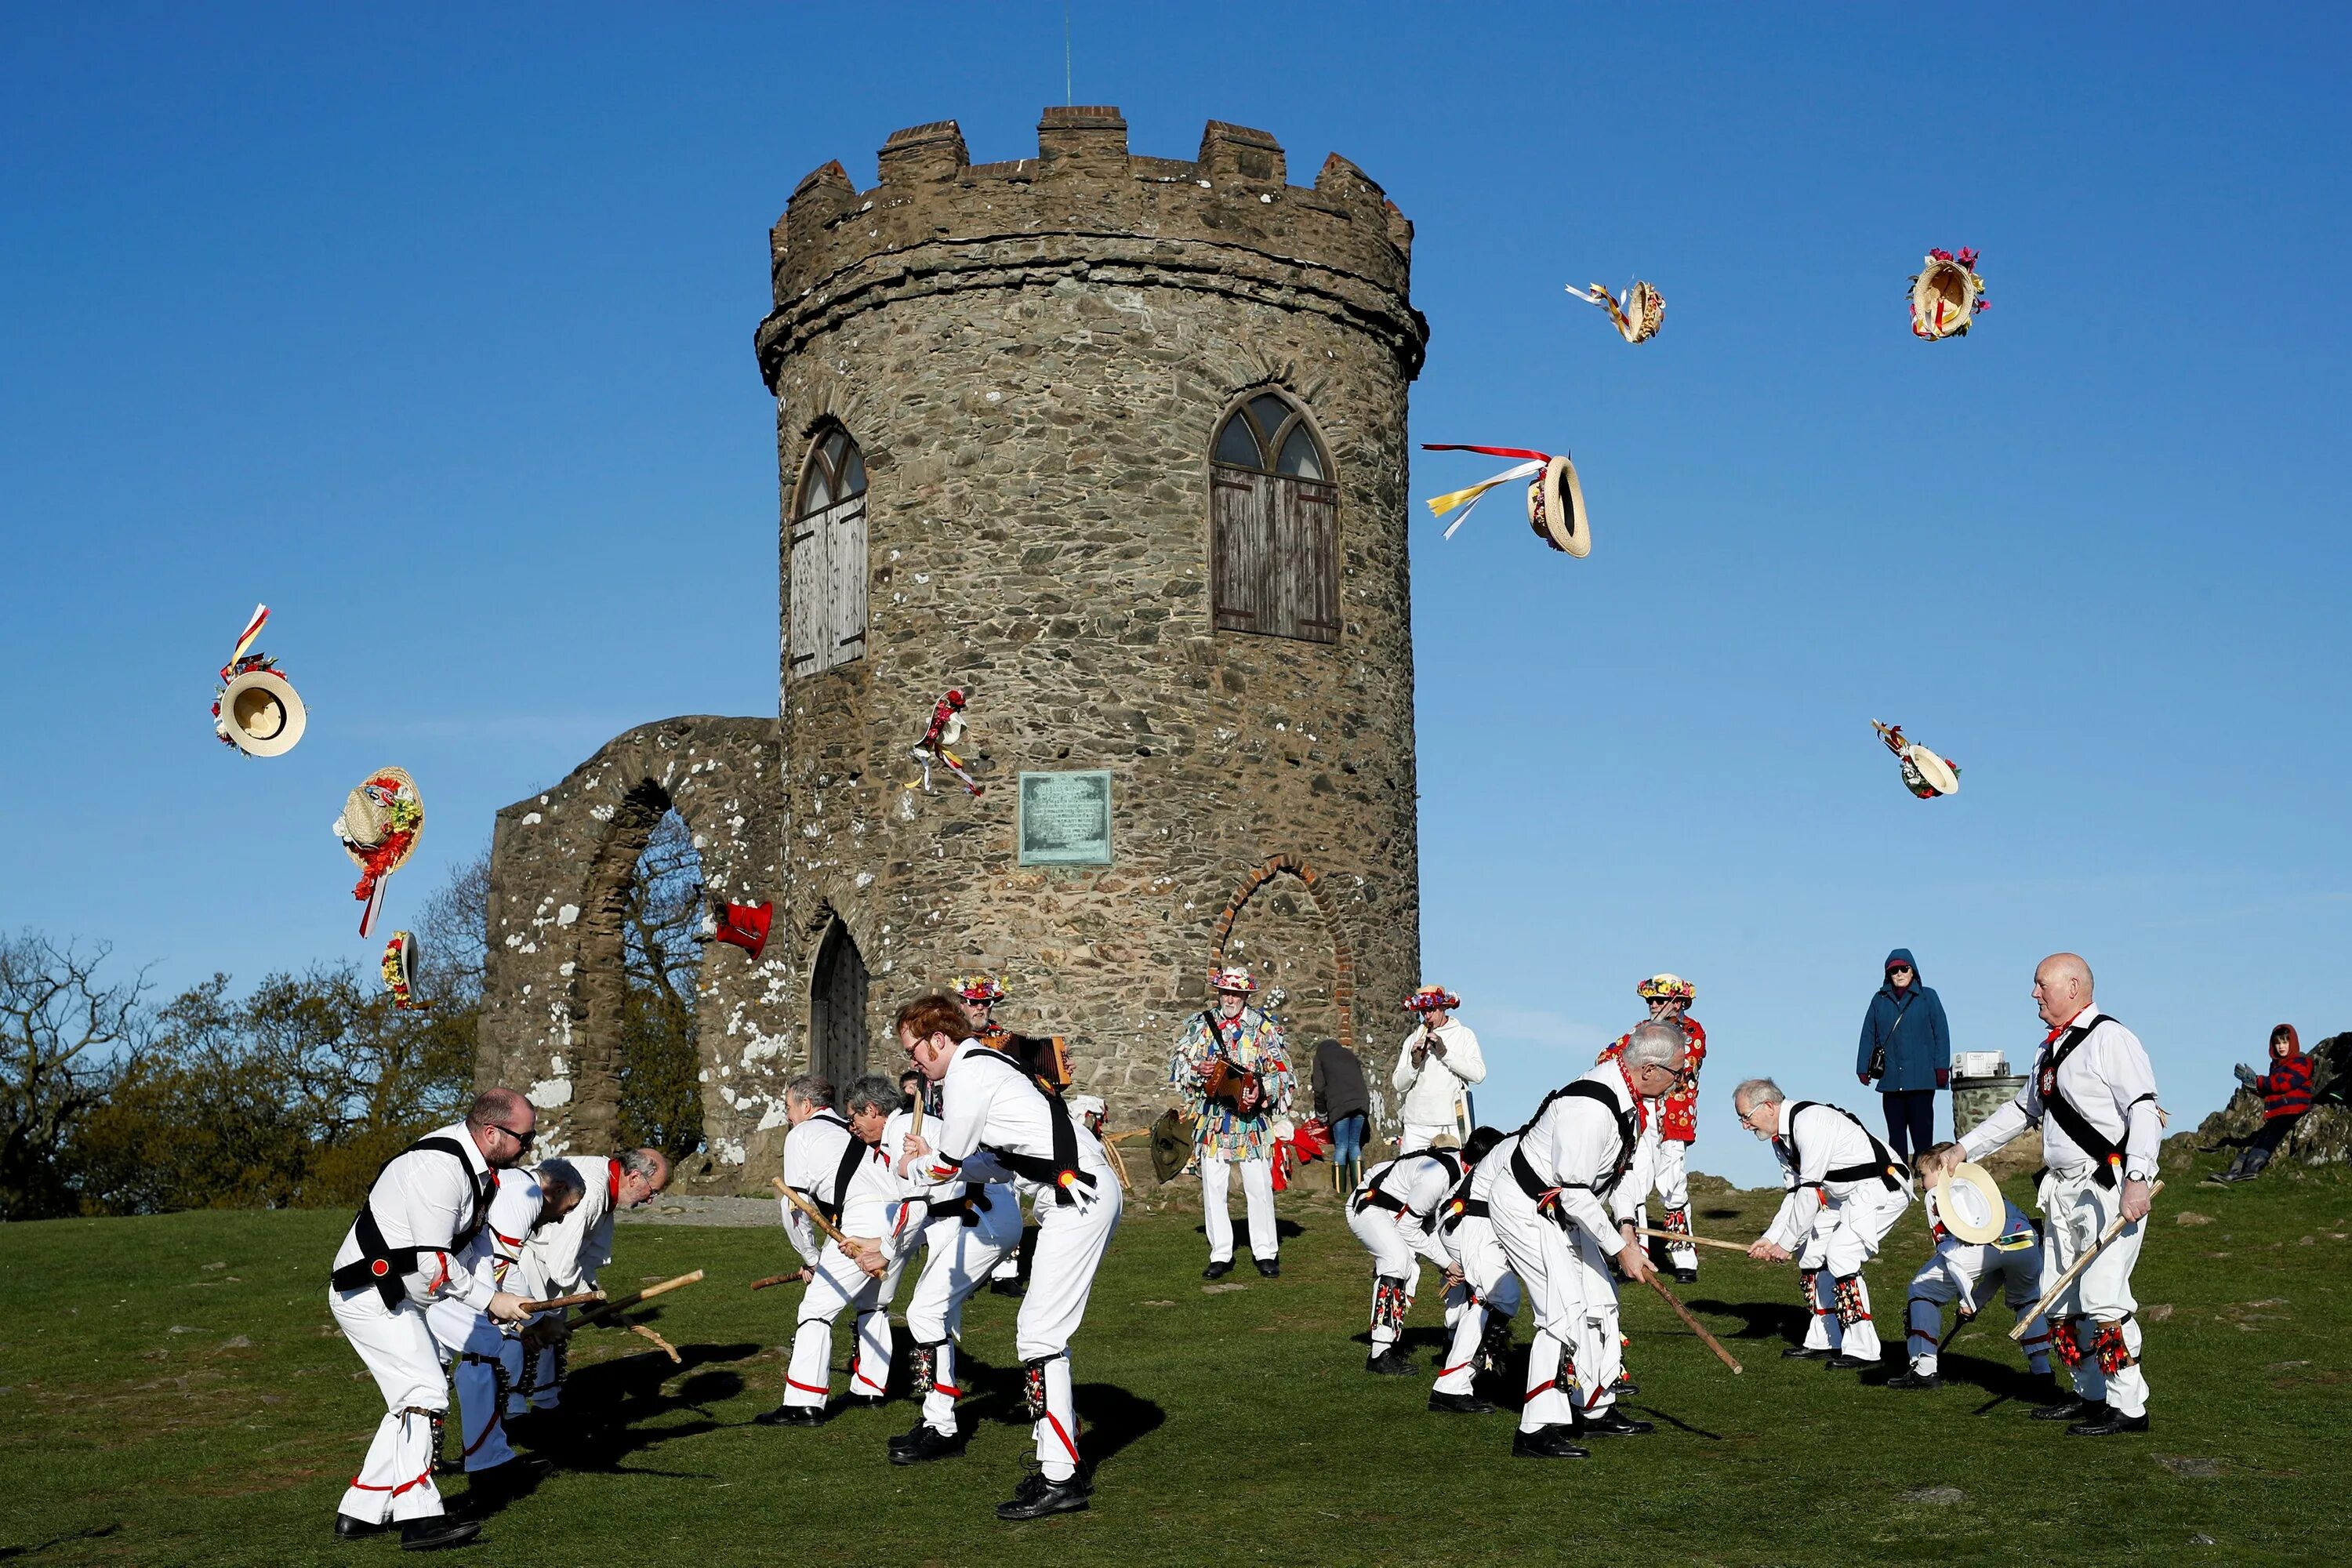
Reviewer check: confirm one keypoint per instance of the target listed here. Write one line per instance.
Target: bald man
(2093, 1093)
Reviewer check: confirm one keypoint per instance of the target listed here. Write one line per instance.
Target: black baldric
(1060, 1172)
(383, 1266)
(2104, 1156)
(1884, 1166)
(853, 1154)
(1376, 1196)
(1629, 1135)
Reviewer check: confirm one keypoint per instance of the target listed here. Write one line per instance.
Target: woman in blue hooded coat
(1907, 1049)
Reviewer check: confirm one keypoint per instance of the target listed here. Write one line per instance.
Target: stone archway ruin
(561, 864)
(1342, 997)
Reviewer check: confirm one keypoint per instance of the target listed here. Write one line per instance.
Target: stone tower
(1114, 445)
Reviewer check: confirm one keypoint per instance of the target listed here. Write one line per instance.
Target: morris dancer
(2093, 1084)
(967, 1228)
(1846, 1193)
(1965, 1272)
(1673, 1119)
(1235, 1130)
(1559, 1218)
(866, 1204)
(563, 1258)
(1000, 1123)
(399, 1257)
(1395, 1215)
(486, 1362)
(1484, 1295)
(980, 993)
(1438, 1064)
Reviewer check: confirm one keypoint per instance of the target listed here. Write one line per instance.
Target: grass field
(171, 1391)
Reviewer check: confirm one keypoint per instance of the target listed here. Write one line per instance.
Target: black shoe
(1218, 1270)
(1006, 1287)
(2114, 1423)
(1615, 1424)
(1054, 1497)
(791, 1416)
(350, 1529)
(1548, 1443)
(1844, 1362)
(1390, 1363)
(1805, 1352)
(1459, 1405)
(1269, 1266)
(865, 1402)
(1906, 1378)
(437, 1534)
(925, 1444)
(2071, 1410)
(1624, 1387)
(1685, 1276)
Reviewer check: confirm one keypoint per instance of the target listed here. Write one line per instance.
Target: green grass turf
(171, 1391)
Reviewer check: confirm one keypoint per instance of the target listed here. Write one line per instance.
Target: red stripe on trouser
(1056, 1422)
(804, 1388)
(497, 1417)
(358, 1485)
(1540, 1388)
(1450, 1371)
(943, 1388)
(859, 1375)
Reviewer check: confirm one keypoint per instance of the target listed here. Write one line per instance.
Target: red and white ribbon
(1468, 500)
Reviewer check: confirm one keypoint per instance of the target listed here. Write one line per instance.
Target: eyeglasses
(523, 1140)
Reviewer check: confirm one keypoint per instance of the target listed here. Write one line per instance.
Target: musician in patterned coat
(1232, 1073)
(1674, 1117)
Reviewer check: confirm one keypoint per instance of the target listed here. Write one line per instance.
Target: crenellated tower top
(1084, 208)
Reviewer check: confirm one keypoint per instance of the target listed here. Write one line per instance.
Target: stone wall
(560, 866)
(1035, 358)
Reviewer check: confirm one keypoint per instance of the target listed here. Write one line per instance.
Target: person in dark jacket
(1907, 1050)
(1342, 1101)
(2286, 1095)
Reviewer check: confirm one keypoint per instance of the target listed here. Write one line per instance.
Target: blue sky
(432, 327)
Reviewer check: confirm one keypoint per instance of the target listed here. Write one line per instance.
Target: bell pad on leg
(2108, 1344)
(1853, 1300)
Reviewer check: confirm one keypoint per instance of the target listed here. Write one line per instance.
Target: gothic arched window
(1273, 524)
(828, 556)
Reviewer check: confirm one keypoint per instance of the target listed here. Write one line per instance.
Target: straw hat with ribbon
(1925, 773)
(1555, 496)
(1945, 295)
(381, 822)
(256, 709)
(400, 972)
(1638, 313)
(1969, 1204)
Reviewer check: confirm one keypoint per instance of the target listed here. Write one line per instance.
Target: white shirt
(563, 1257)
(1810, 1143)
(987, 1105)
(1481, 1191)
(1574, 1144)
(495, 1255)
(420, 1200)
(812, 1156)
(2108, 1079)
(1419, 1181)
(1434, 1090)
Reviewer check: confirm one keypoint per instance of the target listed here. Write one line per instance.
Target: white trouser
(1394, 1258)
(1565, 1274)
(1418, 1135)
(1846, 1233)
(839, 1282)
(395, 1480)
(1071, 1240)
(1257, 1187)
(1670, 1175)
(1488, 1290)
(487, 1363)
(957, 1260)
(2096, 1316)
(1965, 1272)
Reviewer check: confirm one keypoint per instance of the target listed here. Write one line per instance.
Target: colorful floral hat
(1925, 774)
(381, 822)
(1638, 314)
(977, 988)
(256, 709)
(1232, 980)
(400, 972)
(1945, 295)
(1432, 999)
(1555, 495)
(1666, 988)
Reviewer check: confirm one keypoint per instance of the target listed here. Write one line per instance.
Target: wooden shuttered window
(1274, 527)
(828, 559)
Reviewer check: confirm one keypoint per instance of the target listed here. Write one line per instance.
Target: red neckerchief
(2051, 1037)
(613, 1184)
(1641, 1107)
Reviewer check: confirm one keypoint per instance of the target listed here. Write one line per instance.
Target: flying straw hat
(1934, 771)
(1556, 509)
(1637, 317)
(259, 713)
(1969, 1203)
(400, 972)
(1945, 295)
(384, 810)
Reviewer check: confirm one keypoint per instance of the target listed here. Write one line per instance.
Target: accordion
(1047, 1057)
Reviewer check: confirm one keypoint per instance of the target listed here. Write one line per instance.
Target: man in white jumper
(1395, 1214)
(2094, 1093)
(1438, 1064)
(562, 1258)
(487, 1359)
(1562, 1213)
(865, 1201)
(1846, 1193)
(1001, 1124)
(400, 1254)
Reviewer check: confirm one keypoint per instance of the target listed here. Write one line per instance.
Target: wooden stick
(817, 1217)
(557, 1303)
(2081, 1263)
(664, 1345)
(630, 1299)
(1694, 1326)
(1117, 1165)
(792, 1278)
(1676, 1235)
